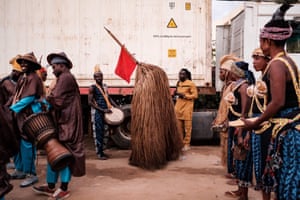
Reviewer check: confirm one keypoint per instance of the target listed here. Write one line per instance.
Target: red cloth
(126, 65)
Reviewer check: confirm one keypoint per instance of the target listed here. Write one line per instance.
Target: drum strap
(105, 96)
(19, 90)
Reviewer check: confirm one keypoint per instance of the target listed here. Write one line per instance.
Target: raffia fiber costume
(155, 138)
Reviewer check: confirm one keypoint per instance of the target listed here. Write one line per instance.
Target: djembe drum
(40, 127)
(115, 118)
(239, 123)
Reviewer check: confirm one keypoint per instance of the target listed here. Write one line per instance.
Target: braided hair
(188, 73)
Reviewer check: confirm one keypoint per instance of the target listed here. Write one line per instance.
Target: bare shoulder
(277, 68)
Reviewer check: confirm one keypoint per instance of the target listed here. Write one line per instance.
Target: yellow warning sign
(171, 24)
(171, 53)
(188, 6)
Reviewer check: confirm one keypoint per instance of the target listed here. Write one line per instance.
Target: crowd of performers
(264, 133)
(23, 95)
(265, 140)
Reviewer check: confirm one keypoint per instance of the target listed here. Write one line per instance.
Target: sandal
(232, 182)
(230, 176)
(233, 194)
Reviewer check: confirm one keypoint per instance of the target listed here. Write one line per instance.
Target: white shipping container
(171, 34)
(240, 33)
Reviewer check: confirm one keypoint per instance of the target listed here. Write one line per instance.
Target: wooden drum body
(58, 156)
(40, 127)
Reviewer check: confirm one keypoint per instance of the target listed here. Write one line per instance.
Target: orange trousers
(185, 130)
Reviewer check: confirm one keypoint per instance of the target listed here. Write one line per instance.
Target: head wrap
(15, 65)
(235, 69)
(247, 73)
(277, 32)
(258, 52)
(226, 62)
(97, 69)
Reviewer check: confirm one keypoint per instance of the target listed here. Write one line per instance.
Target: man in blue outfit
(29, 90)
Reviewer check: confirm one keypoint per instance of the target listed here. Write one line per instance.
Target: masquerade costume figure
(154, 140)
(282, 112)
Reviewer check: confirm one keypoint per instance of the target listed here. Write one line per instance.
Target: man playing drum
(66, 103)
(29, 89)
(100, 101)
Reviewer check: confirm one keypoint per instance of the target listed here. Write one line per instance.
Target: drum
(239, 122)
(115, 118)
(39, 127)
(58, 156)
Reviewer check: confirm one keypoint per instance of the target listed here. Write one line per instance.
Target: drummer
(101, 103)
(28, 90)
(65, 99)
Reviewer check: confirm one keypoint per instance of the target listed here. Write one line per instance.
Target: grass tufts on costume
(155, 138)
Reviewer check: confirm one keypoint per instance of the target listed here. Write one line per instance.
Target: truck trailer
(170, 34)
(238, 34)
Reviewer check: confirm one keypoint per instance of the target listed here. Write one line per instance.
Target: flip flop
(233, 194)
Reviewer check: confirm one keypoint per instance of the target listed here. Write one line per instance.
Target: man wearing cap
(282, 111)
(25, 102)
(66, 103)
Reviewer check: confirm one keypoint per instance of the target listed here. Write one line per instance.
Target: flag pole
(119, 43)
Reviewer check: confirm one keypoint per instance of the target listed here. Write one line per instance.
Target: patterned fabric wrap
(259, 148)
(244, 168)
(99, 120)
(283, 161)
(256, 154)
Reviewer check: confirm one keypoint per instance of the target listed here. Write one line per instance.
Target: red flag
(126, 65)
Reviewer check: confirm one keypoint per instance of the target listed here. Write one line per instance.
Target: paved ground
(197, 175)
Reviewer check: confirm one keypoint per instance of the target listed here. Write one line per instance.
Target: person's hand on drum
(107, 111)
(249, 124)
